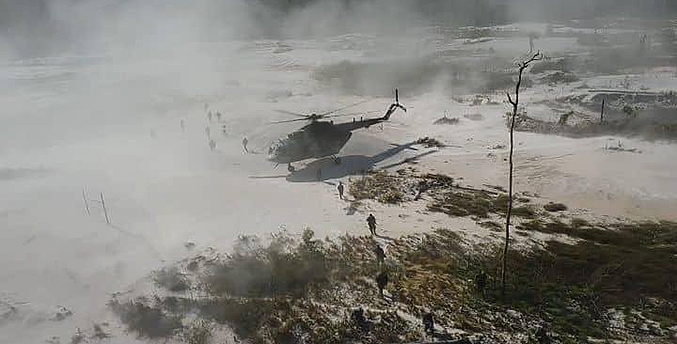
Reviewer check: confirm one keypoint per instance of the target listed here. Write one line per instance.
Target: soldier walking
(340, 190)
(380, 255)
(371, 222)
(429, 323)
(244, 144)
(382, 281)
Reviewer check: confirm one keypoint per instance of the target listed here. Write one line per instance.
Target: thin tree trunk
(515, 105)
(510, 163)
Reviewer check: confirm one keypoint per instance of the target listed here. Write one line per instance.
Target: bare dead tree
(515, 103)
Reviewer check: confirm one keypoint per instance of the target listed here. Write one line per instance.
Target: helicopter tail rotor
(397, 101)
(394, 106)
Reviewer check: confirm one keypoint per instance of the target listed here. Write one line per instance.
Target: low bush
(171, 279)
(147, 321)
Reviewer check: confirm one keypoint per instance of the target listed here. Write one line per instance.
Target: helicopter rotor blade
(290, 113)
(343, 108)
(289, 120)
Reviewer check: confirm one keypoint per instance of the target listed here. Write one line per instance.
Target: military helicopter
(320, 139)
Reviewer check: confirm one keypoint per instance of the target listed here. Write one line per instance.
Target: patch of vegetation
(447, 197)
(245, 316)
(494, 81)
(555, 207)
(560, 77)
(446, 121)
(379, 185)
(472, 32)
(258, 271)
(198, 332)
(568, 286)
(99, 333)
(492, 226)
(476, 203)
(171, 279)
(629, 126)
(430, 142)
(632, 255)
(561, 65)
(147, 321)
(474, 117)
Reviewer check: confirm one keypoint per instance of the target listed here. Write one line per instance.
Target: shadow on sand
(350, 165)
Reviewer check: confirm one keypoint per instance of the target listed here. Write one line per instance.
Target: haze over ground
(92, 94)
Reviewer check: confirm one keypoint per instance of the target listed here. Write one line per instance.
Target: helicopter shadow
(350, 165)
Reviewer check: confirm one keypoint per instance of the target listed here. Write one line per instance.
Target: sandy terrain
(70, 126)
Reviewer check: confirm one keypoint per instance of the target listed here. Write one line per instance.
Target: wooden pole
(105, 211)
(601, 116)
(84, 198)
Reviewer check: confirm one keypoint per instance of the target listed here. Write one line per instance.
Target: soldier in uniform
(371, 222)
(382, 281)
(340, 190)
(380, 255)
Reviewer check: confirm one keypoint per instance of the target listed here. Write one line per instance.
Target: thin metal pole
(84, 198)
(105, 212)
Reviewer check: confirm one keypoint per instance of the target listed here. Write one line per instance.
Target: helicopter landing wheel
(337, 160)
(291, 168)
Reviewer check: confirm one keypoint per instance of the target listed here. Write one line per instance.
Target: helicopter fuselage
(315, 140)
(320, 139)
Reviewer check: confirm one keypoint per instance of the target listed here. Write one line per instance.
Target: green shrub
(171, 279)
(146, 321)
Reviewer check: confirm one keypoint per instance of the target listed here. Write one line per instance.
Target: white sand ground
(69, 126)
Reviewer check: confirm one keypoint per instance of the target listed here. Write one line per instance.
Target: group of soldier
(357, 315)
(382, 280)
(210, 118)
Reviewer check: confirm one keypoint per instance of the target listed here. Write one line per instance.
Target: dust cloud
(107, 101)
